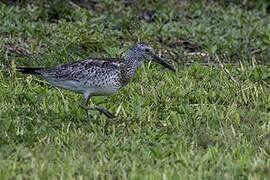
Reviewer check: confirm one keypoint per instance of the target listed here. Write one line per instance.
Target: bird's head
(143, 52)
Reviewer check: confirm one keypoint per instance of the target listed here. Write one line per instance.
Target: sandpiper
(97, 77)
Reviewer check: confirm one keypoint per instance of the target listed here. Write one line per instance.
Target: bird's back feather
(84, 75)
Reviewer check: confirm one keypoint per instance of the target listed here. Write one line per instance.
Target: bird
(99, 76)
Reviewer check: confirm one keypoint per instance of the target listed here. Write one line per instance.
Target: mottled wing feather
(85, 69)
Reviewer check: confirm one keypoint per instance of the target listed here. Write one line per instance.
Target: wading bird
(97, 77)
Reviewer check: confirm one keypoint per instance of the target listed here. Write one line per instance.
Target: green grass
(192, 124)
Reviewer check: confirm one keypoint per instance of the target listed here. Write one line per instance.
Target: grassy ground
(196, 123)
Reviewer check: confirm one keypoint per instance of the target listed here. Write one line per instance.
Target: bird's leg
(106, 112)
(86, 108)
(101, 110)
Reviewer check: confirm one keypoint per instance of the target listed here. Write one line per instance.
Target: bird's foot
(101, 110)
(106, 112)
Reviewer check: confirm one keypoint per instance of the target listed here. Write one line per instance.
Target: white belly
(102, 91)
(85, 89)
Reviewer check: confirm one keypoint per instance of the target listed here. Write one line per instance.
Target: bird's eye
(147, 50)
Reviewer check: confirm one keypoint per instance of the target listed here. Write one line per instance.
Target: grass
(192, 124)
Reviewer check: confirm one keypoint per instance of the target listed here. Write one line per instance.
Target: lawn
(208, 120)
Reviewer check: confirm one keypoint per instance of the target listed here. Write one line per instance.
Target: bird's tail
(27, 70)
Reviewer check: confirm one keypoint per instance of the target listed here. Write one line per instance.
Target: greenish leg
(101, 110)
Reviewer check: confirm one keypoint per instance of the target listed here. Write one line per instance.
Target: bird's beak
(162, 62)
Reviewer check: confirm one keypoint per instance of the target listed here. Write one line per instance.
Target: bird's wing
(84, 69)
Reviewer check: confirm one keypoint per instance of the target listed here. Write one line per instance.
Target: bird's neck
(133, 60)
(133, 63)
